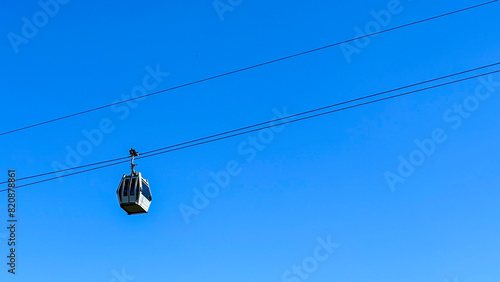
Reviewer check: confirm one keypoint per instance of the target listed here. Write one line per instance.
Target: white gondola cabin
(134, 194)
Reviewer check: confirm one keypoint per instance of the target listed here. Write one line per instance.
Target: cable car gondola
(133, 192)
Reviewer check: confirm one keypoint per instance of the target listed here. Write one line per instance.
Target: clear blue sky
(316, 181)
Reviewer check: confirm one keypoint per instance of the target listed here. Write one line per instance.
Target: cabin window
(126, 186)
(145, 191)
(120, 189)
(132, 187)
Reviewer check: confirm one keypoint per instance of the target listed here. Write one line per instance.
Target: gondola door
(132, 193)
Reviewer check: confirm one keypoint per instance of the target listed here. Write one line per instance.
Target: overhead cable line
(251, 67)
(262, 123)
(268, 126)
